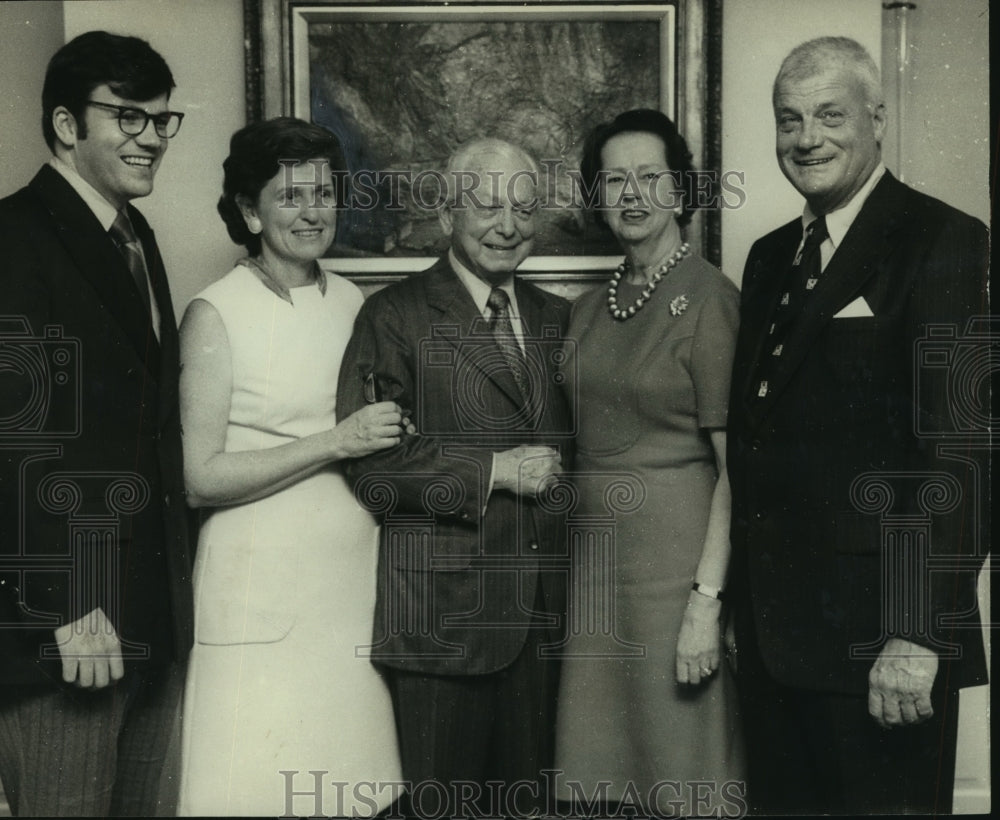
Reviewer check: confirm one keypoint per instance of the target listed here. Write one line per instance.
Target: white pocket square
(857, 308)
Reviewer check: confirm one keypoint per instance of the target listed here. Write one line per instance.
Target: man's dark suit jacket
(828, 471)
(455, 590)
(91, 481)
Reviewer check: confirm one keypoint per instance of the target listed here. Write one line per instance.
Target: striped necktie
(128, 244)
(503, 332)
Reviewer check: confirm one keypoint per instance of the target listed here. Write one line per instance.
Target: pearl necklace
(627, 313)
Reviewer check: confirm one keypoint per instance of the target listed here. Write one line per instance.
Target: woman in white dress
(279, 687)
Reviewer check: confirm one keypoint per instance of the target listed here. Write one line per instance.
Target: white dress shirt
(106, 214)
(838, 222)
(480, 293)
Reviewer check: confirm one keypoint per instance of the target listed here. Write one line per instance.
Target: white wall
(202, 41)
(32, 31)
(946, 129)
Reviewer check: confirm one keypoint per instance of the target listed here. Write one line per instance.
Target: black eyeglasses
(133, 121)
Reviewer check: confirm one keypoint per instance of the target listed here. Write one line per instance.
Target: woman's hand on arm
(214, 477)
(699, 641)
(372, 428)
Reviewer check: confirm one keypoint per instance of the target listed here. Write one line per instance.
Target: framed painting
(402, 85)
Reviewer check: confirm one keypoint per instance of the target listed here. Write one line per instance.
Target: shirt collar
(838, 222)
(103, 210)
(480, 290)
(276, 287)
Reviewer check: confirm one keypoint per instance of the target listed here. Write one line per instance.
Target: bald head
(484, 159)
(490, 210)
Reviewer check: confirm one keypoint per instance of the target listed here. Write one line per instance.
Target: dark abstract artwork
(401, 96)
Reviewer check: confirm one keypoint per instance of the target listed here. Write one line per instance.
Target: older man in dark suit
(464, 606)
(95, 607)
(858, 492)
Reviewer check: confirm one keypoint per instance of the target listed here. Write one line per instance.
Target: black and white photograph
(495, 409)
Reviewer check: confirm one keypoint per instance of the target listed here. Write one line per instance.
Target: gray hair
(815, 56)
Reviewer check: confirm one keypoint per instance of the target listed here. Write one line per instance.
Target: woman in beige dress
(646, 704)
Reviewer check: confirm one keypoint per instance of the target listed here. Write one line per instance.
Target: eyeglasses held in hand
(133, 121)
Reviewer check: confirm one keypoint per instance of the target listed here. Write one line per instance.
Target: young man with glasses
(95, 588)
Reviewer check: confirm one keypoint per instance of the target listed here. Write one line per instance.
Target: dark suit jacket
(456, 588)
(91, 482)
(856, 460)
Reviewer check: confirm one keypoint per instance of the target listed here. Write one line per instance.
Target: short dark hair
(254, 154)
(647, 121)
(127, 65)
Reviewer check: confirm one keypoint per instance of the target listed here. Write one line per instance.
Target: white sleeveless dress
(278, 684)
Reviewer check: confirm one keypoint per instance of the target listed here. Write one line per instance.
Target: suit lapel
(860, 256)
(537, 320)
(534, 311)
(97, 261)
(447, 295)
(167, 347)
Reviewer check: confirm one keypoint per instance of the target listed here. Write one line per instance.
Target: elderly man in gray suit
(465, 604)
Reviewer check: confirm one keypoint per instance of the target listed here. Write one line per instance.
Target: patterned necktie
(128, 244)
(503, 332)
(802, 278)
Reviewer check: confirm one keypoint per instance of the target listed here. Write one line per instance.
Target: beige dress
(646, 392)
(278, 684)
